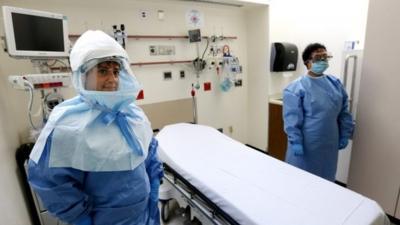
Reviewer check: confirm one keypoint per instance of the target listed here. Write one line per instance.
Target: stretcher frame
(187, 195)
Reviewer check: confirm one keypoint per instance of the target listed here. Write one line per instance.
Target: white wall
(215, 108)
(12, 206)
(307, 21)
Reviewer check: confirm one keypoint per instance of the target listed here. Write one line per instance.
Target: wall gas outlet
(153, 50)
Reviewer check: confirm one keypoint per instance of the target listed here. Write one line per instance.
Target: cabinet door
(277, 140)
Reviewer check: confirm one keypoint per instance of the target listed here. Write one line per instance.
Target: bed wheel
(164, 211)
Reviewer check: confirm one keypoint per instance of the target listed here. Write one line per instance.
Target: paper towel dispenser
(283, 57)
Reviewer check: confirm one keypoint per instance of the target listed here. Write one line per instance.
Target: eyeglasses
(322, 57)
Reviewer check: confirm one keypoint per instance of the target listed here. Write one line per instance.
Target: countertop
(276, 99)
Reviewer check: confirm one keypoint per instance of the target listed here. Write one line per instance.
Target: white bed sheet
(254, 188)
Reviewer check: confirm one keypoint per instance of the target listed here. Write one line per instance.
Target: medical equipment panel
(41, 81)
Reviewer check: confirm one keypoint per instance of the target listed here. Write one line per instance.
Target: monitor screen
(35, 34)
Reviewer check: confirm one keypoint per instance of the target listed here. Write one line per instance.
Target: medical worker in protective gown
(95, 162)
(316, 116)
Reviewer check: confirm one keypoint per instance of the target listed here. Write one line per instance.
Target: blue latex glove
(154, 213)
(87, 220)
(297, 149)
(155, 171)
(343, 142)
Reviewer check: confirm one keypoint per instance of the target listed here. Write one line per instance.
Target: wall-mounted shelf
(170, 37)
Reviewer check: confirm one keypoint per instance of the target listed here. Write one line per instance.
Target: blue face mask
(319, 67)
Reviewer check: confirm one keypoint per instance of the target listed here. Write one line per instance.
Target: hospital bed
(225, 182)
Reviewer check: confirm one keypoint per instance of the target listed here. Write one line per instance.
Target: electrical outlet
(182, 74)
(168, 75)
(143, 14)
(41, 81)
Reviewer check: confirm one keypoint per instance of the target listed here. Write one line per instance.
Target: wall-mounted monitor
(35, 34)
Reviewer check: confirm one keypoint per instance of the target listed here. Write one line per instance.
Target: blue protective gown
(316, 116)
(104, 198)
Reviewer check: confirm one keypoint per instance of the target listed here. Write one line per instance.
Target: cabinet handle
(353, 78)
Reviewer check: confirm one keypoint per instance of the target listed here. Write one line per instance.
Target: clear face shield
(107, 81)
(102, 74)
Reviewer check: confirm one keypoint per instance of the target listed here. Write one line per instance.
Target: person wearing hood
(316, 116)
(95, 162)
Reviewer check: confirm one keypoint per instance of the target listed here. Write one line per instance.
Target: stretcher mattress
(254, 188)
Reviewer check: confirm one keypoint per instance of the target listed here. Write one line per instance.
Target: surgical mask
(319, 67)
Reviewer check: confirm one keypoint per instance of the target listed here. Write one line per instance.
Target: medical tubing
(208, 42)
(62, 62)
(30, 88)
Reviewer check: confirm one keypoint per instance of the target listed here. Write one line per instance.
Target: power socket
(41, 81)
(168, 75)
(143, 14)
(182, 74)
